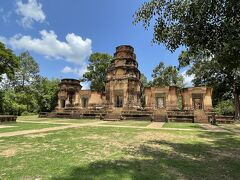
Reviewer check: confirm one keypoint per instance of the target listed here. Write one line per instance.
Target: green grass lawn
(128, 123)
(182, 125)
(20, 126)
(231, 127)
(29, 118)
(120, 153)
(55, 120)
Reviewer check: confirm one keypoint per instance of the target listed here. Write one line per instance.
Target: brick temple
(123, 91)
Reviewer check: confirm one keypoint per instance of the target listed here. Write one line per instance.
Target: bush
(225, 107)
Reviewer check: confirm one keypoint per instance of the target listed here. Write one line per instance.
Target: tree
(8, 62)
(225, 107)
(144, 81)
(144, 84)
(12, 102)
(19, 92)
(97, 71)
(27, 91)
(209, 28)
(28, 70)
(210, 73)
(47, 91)
(166, 76)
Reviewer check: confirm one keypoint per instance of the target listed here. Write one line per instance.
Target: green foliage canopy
(209, 26)
(28, 92)
(47, 90)
(166, 76)
(8, 62)
(28, 70)
(225, 107)
(97, 71)
(206, 28)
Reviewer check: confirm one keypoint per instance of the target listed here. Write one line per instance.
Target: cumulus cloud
(3, 39)
(74, 50)
(85, 85)
(187, 79)
(31, 12)
(79, 71)
(5, 15)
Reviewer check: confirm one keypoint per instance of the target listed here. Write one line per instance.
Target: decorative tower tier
(123, 79)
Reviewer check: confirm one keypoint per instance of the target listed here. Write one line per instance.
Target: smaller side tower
(68, 95)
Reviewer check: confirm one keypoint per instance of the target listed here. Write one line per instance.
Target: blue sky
(61, 35)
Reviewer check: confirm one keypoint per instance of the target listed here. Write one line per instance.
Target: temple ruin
(123, 92)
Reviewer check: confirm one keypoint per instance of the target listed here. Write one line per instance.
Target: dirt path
(156, 125)
(213, 128)
(46, 122)
(5, 126)
(171, 129)
(25, 132)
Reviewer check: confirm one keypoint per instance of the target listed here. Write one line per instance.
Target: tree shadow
(159, 159)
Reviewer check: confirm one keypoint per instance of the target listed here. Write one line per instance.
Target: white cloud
(79, 71)
(31, 12)
(5, 15)
(3, 39)
(85, 85)
(187, 79)
(74, 50)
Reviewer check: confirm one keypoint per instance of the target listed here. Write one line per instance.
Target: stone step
(180, 120)
(112, 116)
(159, 118)
(111, 120)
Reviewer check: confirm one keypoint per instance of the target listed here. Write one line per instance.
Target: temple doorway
(84, 102)
(160, 102)
(63, 103)
(118, 101)
(197, 101)
(71, 98)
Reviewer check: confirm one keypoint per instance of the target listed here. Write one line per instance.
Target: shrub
(225, 107)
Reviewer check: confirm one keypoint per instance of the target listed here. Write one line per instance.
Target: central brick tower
(123, 87)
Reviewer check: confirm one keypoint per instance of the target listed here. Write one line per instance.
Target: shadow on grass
(159, 159)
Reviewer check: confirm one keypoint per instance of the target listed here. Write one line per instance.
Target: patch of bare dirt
(37, 135)
(146, 136)
(5, 126)
(95, 137)
(8, 152)
(156, 125)
(212, 128)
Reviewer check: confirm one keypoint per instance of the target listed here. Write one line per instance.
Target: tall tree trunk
(236, 101)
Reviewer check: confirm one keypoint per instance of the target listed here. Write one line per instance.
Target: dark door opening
(118, 101)
(62, 103)
(197, 103)
(84, 102)
(70, 99)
